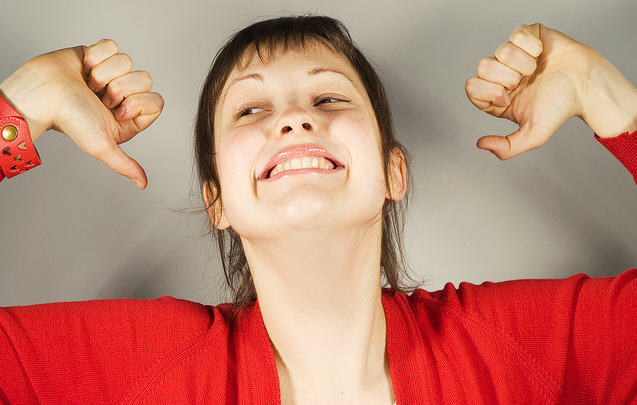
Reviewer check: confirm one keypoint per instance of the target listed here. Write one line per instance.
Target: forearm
(609, 101)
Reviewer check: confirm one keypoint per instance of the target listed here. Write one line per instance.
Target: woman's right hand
(91, 95)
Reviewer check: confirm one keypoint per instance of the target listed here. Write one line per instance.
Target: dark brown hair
(295, 31)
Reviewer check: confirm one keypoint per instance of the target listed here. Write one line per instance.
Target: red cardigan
(530, 341)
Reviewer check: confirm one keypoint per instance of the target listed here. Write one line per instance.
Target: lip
(292, 151)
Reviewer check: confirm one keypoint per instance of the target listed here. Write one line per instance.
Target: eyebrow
(310, 73)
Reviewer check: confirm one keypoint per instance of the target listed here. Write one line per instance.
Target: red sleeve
(582, 331)
(90, 352)
(624, 148)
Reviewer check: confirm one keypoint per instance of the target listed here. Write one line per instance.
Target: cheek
(236, 155)
(359, 134)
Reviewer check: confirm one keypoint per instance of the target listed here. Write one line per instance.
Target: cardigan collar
(258, 380)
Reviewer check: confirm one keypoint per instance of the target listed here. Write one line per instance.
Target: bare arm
(610, 101)
(90, 94)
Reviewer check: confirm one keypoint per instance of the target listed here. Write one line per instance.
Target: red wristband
(17, 152)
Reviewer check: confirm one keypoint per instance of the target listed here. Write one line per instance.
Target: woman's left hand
(538, 79)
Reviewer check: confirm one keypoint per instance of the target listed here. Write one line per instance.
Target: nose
(297, 120)
(306, 125)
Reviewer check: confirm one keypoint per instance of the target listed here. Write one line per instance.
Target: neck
(320, 300)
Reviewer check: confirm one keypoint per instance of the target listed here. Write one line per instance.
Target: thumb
(115, 158)
(526, 138)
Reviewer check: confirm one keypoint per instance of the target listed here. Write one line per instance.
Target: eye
(246, 110)
(243, 111)
(320, 101)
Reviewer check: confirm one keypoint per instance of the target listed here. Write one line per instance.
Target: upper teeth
(303, 163)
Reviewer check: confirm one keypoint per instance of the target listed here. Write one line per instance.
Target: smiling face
(293, 98)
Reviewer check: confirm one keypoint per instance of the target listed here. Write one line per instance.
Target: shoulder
(525, 300)
(124, 316)
(60, 347)
(567, 330)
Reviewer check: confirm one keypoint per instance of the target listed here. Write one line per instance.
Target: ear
(215, 212)
(397, 175)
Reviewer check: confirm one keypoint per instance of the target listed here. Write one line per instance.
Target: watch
(17, 152)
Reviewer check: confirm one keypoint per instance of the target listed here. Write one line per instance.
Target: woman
(311, 243)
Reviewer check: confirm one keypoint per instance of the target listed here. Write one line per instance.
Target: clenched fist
(539, 79)
(92, 95)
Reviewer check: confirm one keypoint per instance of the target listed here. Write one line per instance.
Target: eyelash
(239, 113)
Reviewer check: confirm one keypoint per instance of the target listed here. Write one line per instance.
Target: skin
(540, 78)
(314, 244)
(312, 241)
(90, 94)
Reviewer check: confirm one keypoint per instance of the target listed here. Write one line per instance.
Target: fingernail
(138, 184)
(121, 112)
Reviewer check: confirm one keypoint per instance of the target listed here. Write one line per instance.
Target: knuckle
(501, 97)
(128, 102)
(113, 90)
(147, 77)
(502, 52)
(508, 84)
(517, 37)
(513, 82)
(126, 59)
(161, 101)
(507, 51)
(89, 57)
(469, 85)
(95, 78)
(483, 66)
(109, 44)
(91, 54)
(519, 28)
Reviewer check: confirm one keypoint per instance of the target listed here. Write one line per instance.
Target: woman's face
(297, 98)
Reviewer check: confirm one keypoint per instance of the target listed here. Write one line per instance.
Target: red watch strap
(17, 152)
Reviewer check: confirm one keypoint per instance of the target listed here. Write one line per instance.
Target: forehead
(277, 58)
(269, 54)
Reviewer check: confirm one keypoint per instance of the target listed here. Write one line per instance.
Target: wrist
(19, 91)
(609, 100)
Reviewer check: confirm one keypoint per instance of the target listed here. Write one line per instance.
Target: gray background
(75, 230)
